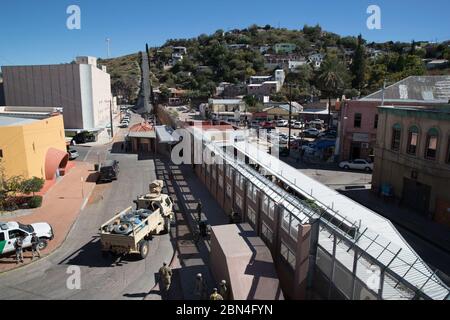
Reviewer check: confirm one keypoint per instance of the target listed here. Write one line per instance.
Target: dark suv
(109, 171)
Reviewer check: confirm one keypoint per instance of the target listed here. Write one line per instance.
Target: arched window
(432, 143)
(396, 136)
(413, 140)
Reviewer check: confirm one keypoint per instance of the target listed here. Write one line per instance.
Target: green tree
(332, 79)
(359, 66)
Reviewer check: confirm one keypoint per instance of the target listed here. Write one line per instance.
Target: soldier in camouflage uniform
(166, 276)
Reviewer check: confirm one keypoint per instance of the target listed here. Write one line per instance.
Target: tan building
(33, 147)
(412, 158)
(81, 89)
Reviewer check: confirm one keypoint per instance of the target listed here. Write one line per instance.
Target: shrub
(35, 202)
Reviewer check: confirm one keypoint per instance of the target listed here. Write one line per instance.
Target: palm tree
(333, 78)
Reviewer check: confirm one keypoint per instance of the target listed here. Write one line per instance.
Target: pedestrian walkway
(60, 208)
(192, 258)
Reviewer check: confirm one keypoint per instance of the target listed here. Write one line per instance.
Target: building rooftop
(6, 121)
(225, 101)
(426, 89)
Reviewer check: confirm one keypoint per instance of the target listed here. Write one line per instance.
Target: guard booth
(166, 138)
(241, 258)
(141, 139)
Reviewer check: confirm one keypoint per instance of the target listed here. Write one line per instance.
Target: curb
(57, 247)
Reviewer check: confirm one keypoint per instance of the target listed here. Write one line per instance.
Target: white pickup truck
(10, 231)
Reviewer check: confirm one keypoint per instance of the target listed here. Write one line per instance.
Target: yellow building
(33, 148)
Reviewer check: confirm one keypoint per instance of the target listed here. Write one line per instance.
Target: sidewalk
(61, 207)
(424, 228)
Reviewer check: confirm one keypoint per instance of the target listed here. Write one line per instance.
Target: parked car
(10, 231)
(299, 125)
(73, 154)
(123, 125)
(311, 133)
(109, 171)
(282, 123)
(328, 133)
(357, 164)
(268, 125)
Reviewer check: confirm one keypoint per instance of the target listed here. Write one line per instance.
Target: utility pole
(108, 40)
(111, 118)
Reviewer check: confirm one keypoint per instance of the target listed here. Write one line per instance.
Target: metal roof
(166, 134)
(6, 121)
(426, 89)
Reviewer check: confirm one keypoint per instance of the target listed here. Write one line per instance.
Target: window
(375, 123)
(271, 210)
(396, 136)
(286, 220)
(2, 236)
(16, 233)
(1, 153)
(432, 143)
(288, 254)
(229, 172)
(267, 233)
(229, 190)
(413, 139)
(448, 151)
(251, 192)
(251, 215)
(239, 201)
(294, 228)
(358, 119)
(265, 204)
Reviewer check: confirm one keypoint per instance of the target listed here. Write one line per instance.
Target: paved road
(100, 278)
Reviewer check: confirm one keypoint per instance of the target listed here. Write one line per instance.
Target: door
(3, 242)
(14, 234)
(355, 152)
(417, 196)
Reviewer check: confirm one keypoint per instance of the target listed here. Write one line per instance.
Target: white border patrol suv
(10, 231)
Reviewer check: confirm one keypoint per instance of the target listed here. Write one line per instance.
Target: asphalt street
(101, 278)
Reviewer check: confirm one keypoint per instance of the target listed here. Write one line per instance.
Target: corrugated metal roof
(427, 89)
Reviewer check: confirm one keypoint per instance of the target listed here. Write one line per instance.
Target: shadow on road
(90, 255)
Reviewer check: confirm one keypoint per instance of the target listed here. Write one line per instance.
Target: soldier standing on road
(200, 286)
(223, 290)
(18, 245)
(166, 275)
(199, 211)
(35, 246)
(215, 295)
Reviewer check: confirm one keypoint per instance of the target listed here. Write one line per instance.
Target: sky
(35, 32)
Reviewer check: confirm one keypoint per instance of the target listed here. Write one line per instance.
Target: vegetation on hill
(125, 75)
(210, 60)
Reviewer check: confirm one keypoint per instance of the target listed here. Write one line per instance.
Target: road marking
(87, 154)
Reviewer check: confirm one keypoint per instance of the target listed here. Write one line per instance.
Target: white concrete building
(81, 89)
